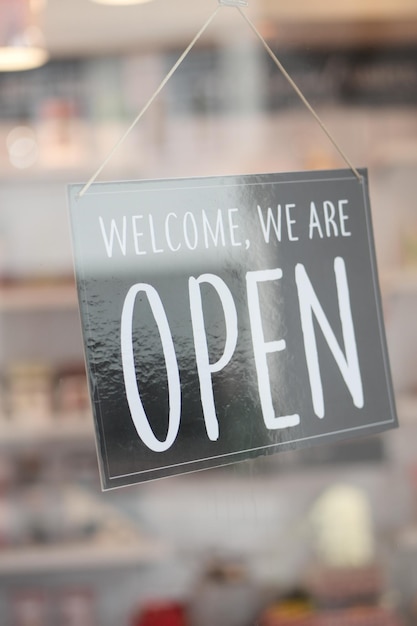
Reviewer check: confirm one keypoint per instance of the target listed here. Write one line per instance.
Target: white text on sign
(141, 235)
(311, 311)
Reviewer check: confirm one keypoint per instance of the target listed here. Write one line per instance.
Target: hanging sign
(226, 318)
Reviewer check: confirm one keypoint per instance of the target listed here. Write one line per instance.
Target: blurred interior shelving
(56, 127)
(399, 282)
(72, 430)
(78, 557)
(407, 409)
(61, 295)
(37, 297)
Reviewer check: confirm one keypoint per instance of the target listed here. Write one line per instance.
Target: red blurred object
(166, 614)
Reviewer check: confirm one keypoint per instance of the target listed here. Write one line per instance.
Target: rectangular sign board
(228, 317)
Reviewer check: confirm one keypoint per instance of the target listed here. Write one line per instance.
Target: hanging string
(150, 101)
(299, 93)
(222, 3)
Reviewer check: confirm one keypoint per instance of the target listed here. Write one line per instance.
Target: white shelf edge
(55, 430)
(407, 408)
(78, 557)
(38, 297)
(407, 539)
(64, 296)
(399, 282)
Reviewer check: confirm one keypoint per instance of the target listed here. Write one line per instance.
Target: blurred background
(322, 536)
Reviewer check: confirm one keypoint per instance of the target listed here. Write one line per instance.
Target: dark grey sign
(227, 318)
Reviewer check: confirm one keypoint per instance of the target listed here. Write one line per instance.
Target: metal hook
(234, 3)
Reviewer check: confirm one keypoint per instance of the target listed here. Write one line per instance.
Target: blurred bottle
(76, 608)
(225, 596)
(31, 608)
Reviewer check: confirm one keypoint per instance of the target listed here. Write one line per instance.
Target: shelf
(399, 282)
(64, 296)
(73, 430)
(38, 297)
(407, 408)
(78, 557)
(44, 297)
(407, 540)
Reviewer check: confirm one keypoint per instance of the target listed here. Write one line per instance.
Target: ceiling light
(120, 2)
(21, 41)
